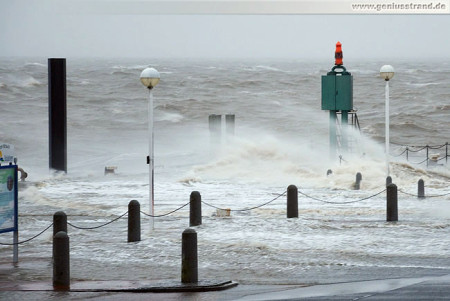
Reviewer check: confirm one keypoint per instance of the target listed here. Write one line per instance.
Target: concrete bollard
(59, 222)
(189, 257)
(391, 204)
(421, 189)
(358, 181)
(388, 180)
(292, 201)
(61, 262)
(195, 209)
(134, 221)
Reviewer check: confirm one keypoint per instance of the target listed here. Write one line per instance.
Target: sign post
(9, 205)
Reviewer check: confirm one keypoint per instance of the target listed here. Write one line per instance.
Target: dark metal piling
(134, 221)
(391, 204)
(59, 222)
(189, 257)
(61, 262)
(195, 207)
(57, 114)
(292, 201)
(421, 189)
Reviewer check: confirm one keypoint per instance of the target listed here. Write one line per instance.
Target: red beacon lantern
(338, 54)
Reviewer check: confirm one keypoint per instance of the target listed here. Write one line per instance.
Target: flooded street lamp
(150, 78)
(387, 72)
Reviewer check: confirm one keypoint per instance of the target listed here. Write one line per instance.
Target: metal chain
(246, 209)
(96, 227)
(21, 242)
(348, 202)
(165, 214)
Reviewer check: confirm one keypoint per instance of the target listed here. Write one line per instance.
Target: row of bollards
(61, 251)
(189, 254)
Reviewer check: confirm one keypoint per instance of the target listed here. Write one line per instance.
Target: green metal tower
(337, 96)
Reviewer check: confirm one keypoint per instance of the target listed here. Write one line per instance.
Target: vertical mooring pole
(57, 114)
(392, 203)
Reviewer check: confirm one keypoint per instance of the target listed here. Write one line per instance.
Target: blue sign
(8, 198)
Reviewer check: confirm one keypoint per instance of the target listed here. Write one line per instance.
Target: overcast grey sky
(33, 28)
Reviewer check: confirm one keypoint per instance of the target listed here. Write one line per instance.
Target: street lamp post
(387, 72)
(150, 78)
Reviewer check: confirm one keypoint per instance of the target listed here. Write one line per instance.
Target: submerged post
(388, 180)
(358, 181)
(134, 221)
(391, 206)
(189, 258)
(61, 262)
(292, 201)
(59, 222)
(421, 189)
(215, 129)
(229, 125)
(57, 114)
(195, 209)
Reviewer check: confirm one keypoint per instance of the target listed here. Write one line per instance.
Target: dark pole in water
(292, 201)
(388, 180)
(57, 114)
(229, 125)
(61, 262)
(59, 222)
(195, 208)
(421, 189)
(134, 221)
(189, 258)
(358, 181)
(391, 206)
